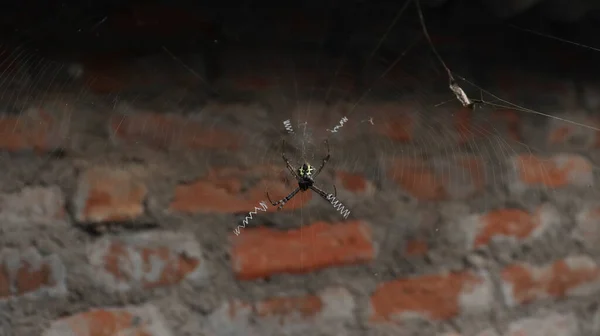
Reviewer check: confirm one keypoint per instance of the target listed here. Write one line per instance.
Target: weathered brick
(311, 118)
(355, 183)
(170, 131)
(551, 325)
(146, 260)
(587, 229)
(466, 127)
(101, 75)
(401, 120)
(434, 297)
(463, 124)
(560, 170)
(140, 321)
(511, 224)
(34, 129)
(326, 313)
(470, 126)
(108, 195)
(439, 179)
(510, 123)
(39, 204)
(27, 272)
(262, 252)
(570, 277)
(486, 332)
(222, 191)
(572, 135)
(416, 247)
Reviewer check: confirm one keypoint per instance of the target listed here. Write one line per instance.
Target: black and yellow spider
(305, 177)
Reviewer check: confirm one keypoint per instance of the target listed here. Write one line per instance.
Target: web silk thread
(288, 126)
(341, 124)
(249, 217)
(338, 206)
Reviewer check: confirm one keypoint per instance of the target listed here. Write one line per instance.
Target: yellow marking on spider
(307, 172)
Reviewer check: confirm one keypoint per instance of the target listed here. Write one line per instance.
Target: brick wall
(463, 223)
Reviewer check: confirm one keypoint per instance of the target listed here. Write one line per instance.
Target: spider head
(305, 171)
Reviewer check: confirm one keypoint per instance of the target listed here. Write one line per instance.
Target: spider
(305, 176)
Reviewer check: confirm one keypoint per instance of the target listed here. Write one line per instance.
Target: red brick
(139, 321)
(573, 276)
(147, 260)
(5, 282)
(511, 122)
(471, 126)
(416, 248)
(463, 122)
(325, 313)
(509, 224)
(39, 204)
(221, 191)
(105, 74)
(263, 252)
(418, 179)
(311, 118)
(560, 170)
(108, 195)
(33, 129)
(553, 324)
(435, 297)
(572, 135)
(170, 131)
(355, 183)
(587, 228)
(26, 272)
(439, 179)
(399, 122)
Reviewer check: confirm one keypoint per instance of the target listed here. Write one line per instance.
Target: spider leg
(287, 162)
(323, 194)
(284, 200)
(325, 159)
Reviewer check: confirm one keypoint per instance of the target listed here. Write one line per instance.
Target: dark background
(59, 30)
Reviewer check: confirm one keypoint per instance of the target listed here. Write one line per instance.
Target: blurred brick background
(134, 143)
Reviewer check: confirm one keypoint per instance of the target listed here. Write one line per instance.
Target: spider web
(409, 136)
(402, 130)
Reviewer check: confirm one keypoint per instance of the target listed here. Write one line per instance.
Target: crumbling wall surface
(133, 202)
(119, 218)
